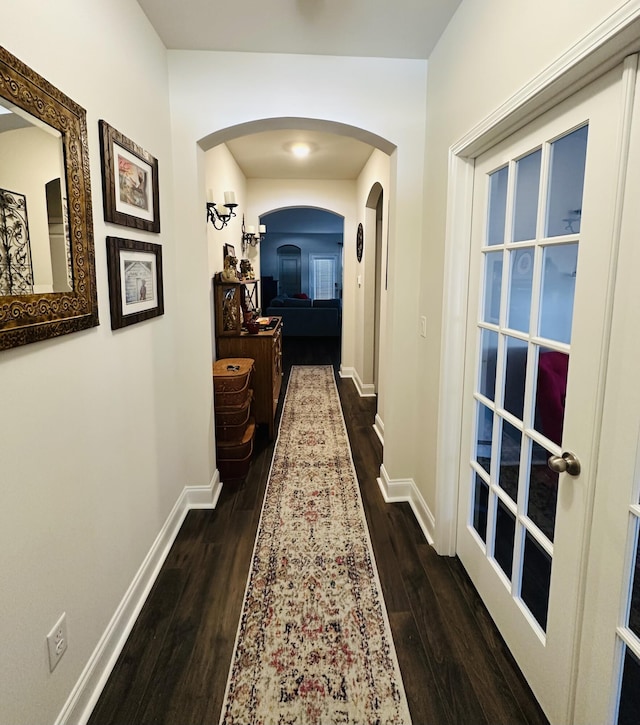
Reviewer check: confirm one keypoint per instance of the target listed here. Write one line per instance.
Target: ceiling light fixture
(300, 150)
(219, 218)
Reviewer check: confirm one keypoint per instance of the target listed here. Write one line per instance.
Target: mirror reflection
(35, 249)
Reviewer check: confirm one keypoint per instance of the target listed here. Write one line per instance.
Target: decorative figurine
(246, 270)
(230, 273)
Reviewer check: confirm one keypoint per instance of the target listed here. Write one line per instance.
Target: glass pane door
(628, 634)
(530, 262)
(608, 676)
(544, 201)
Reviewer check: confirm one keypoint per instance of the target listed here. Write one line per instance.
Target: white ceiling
(364, 28)
(266, 156)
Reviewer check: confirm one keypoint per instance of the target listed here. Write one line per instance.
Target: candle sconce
(219, 218)
(249, 236)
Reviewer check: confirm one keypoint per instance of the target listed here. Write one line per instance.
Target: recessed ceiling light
(300, 149)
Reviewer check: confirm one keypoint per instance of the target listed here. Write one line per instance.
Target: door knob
(567, 462)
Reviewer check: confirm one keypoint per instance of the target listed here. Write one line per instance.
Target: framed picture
(229, 251)
(135, 281)
(129, 182)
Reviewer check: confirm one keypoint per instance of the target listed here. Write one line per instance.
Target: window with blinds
(324, 277)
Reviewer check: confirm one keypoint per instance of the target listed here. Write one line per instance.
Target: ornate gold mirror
(47, 272)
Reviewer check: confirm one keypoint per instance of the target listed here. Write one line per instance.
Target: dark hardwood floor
(173, 669)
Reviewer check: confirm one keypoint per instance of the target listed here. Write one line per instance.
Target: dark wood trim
(115, 246)
(108, 137)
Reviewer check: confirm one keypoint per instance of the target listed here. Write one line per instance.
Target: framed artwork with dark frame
(229, 251)
(136, 291)
(129, 182)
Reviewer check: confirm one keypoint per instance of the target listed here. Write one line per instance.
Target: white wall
(377, 170)
(489, 51)
(268, 86)
(222, 173)
(90, 449)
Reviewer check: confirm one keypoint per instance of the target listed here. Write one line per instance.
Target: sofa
(305, 317)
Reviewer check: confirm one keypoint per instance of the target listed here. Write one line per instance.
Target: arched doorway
(362, 349)
(302, 251)
(373, 269)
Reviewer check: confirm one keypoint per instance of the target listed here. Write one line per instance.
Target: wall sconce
(219, 218)
(249, 236)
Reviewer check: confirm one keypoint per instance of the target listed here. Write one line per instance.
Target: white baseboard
(86, 692)
(89, 686)
(204, 497)
(378, 427)
(365, 390)
(405, 489)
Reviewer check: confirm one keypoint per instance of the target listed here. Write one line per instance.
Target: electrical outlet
(57, 642)
(423, 326)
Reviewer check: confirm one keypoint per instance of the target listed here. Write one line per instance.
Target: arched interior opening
(302, 270)
(346, 195)
(373, 282)
(312, 240)
(296, 124)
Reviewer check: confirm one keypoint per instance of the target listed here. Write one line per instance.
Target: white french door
(544, 213)
(608, 688)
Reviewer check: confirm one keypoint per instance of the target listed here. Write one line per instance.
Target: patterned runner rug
(314, 644)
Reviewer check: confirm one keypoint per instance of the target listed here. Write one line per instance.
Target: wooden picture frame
(230, 251)
(42, 315)
(129, 182)
(136, 290)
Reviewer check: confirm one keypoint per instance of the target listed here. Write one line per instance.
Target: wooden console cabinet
(266, 350)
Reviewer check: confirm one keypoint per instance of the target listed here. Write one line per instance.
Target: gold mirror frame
(32, 317)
